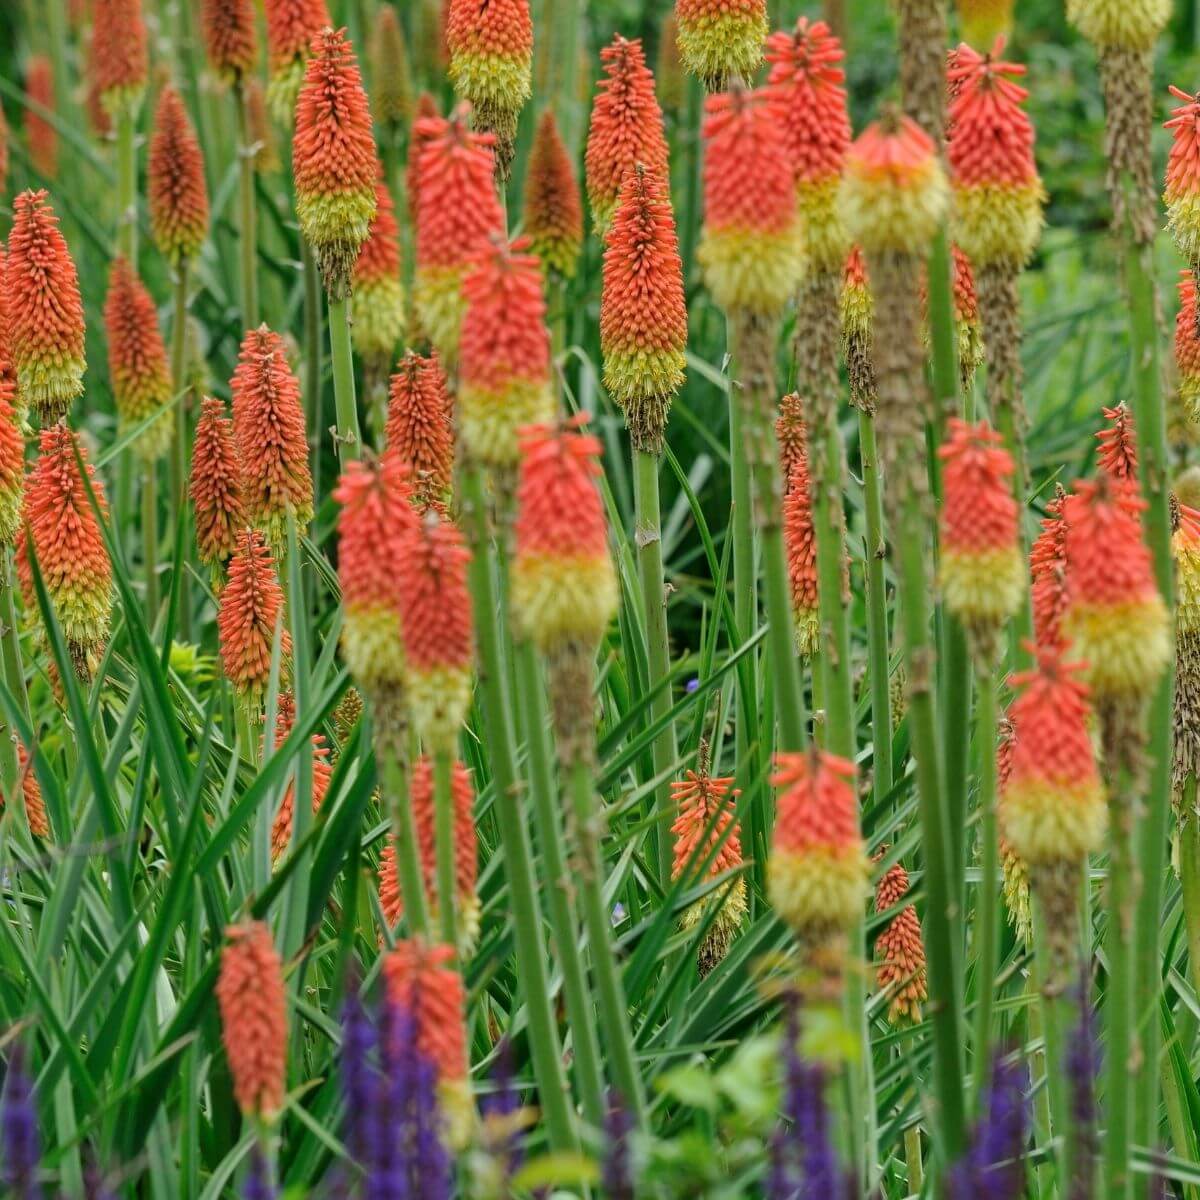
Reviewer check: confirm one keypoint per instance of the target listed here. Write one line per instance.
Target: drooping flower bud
(378, 290)
(291, 27)
(230, 37)
(899, 949)
(118, 54)
(420, 424)
(40, 134)
(553, 212)
(721, 39)
(391, 80)
(177, 192)
(216, 484)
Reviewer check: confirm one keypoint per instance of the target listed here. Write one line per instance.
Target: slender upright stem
(1051, 990)
(180, 444)
(986, 909)
(14, 676)
(745, 581)
(1189, 874)
(443, 810)
(312, 355)
(150, 538)
(247, 230)
(404, 835)
(349, 440)
(127, 244)
(912, 1159)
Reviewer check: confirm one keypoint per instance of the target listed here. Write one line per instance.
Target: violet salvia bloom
(18, 1124)
(258, 1184)
(993, 1167)
(616, 1175)
(94, 1185)
(502, 1104)
(358, 1075)
(781, 1178)
(1083, 1068)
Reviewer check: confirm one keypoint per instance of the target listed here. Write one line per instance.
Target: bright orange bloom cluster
(856, 306)
(899, 949)
(254, 1018)
(752, 244)
(230, 39)
(420, 423)
(817, 876)
(216, 484)
(137, 361)
(564, 588)
(322, 773)
(391, 81)
(12, 463)
(1185, 549)
(983, 21)
(553, 211)
(966, 316)
(643, 312)
(178, 195)
(791, 435)
(426, 125)
(251, 606)
(719, 39)
(1187, 347)
(800, 542)
(998, 195)
(268, 425)
(1182, 193)
(40, 134)
(1048, 571)
(378, 291)
(466, 902)
(457, 213)
(291, 27)
(45, 313)
(31, 795)
(119, 59)
(807, 78)
(626, 127)
(504, 353)
(69, 546)
(1117, 452)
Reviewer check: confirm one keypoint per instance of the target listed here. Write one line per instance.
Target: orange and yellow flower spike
(291, 27)
(1187, 347)
(553, 210)
(31, 795)
(720, 39)
(12, 465)
(178, 195)
(857, 309)
(230, 38)
(1048, 573)
(800, 543)
(119, 60)
(378, 291)
(420, 428)
(899, 949)
(40, 134)
(215, 485)
(391, 80)
(322, 773)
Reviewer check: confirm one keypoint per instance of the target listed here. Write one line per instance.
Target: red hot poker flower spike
(229, 37)
(1187, 347)
(31, 794)
(322, 773)
(291, 27)
(420, 423)
(378, 292)
(1182, 194)
(177, 191)
(1117, 452)
(720, 39)
(553, 211)
(12, 466)
(250, 608)
(39, 132)
(800, 543)
(899, 949)
(119, 58)
(1048, 572)
(216, 484)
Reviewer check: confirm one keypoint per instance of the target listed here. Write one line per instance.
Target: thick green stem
(150, 538)
(1189, 874)
(404, 835)
(14, 677)
(312, 353)
(349, 441)
(912, 1159)
(127, 245)
(443, 810)
(1055, 1010)
(179, 445)
(987, 909)
(247, 216)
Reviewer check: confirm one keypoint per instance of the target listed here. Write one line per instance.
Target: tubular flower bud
(982, 572)
(333, 159)
(466, 902)
(291, 27)
(177, 191)
(378, 291)
(1185, 548)
(45, 313)
(800, 542)
(118, 54)
(12, 465)
(857, 310)
(504, 372)
(1187, 347)
(1182, 194)
(491, 61)
(818, 873)
(1013, 868)
(253, 1008)
(420, 422)
(230, 39)
(1048, 572)
(322, 773)
(807, 78)
(626, 127)
(966, 318)
(553, 212)
(719, 39)
(216, 484)
(420, 981)
(983, 21)
(137, 362)
(1120, 24)
(899, 949)
(1117, 452)
(40, 134)
(643, 312)
(390, 76)
(268, 426)
(69, 546)
(250, 608)
(31, 795)
(706, 810)
(457, 214)
(752, 243)
(375, 519)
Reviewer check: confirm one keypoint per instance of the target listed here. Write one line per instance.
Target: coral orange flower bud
(40, 134)
(643, 312)
(800, 543)
(504, 352)
(983, 21)
(268, 425)
(119, 59)
(291, 27)
(457, 214)
(322, 773)
(177, 192)
(251, 606)
(719, 39)
(45, 313)
(553, 211)
(391, 81)
(253, 1008)
(1187, 347)
(1120, 24)
(230, 38)
(1048, 572)
(378, 291)
(899, 949)
(808, 81)
(31, 796)
(12, 465)
(752, 243)
(216, 484)
(626, 127)
(137, 362)
(1117, 452)
(420, 424)
(1182, 194)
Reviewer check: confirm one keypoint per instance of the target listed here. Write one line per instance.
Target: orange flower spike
(626, 128)
(553, 210)
(719, 39)
(564, 588)
(216, 484)
(1185, 549)
(998, 195)
(899, 950)
(376, 518)
(457, 214)
(322, 774)
(230, 37)
(12, 465)
(31, 795)
(391, 80)
(1117, 453)
(1115, 619)
(1048, 572)
(379, 294)
(752, 243)
(268, 425)
(856, 307)
(40, 134)
(982, 570)
(504, 353)
(791, 436)
(291, 27)
(420, 422)
(418, 135)
(250, 995)
(1187, 347)
(818, 873)
(807, 79)
(966, 317)
(178, 194)
(983, 21)
(45, 313)
(250, 607)
(643, 312)
(137, 361)
(800, 543)
(1182, 194)
(119, 58)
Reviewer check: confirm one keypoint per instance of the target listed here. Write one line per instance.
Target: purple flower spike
(502, 1104)
(258, 1178)
(1083, 1067)
(358, 1082)
(993, 1167)
(19, 1125)
(617, 1170)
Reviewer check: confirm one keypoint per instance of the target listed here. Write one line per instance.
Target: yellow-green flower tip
(983, 587)
(1126, 646)
(438, 701)
(378, 318)
(1050, 823)
(488, 419)
(283, 88)
(372, 648)
(752, 270)
(826, 242)
(437, 295)
(808, 631)
(822, 889)
(559, 601)
(1120, 24)
(717, 45)
(998, 225)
